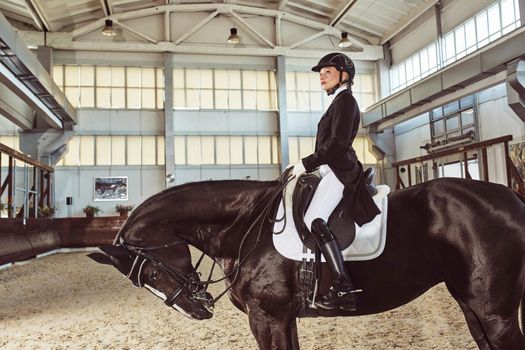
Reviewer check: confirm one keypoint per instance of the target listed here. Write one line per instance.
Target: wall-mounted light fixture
(344, 42)
(233, 38)
(108, 29)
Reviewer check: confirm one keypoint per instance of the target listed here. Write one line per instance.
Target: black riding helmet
(342, 63)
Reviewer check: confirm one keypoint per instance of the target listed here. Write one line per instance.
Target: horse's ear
(117, 256)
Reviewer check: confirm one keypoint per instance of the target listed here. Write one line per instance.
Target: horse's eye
(154, 275)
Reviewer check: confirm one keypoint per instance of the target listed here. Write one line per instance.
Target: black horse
(468, 234)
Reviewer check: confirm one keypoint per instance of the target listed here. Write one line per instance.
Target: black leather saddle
(342, 226)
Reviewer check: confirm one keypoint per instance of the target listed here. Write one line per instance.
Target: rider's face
(329, 77)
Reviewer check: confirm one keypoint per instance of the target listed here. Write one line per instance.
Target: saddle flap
(302, 196)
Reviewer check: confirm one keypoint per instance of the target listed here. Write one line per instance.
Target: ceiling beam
(38, 16)
(136, 32)
(411, 17)
(282, 5)
(252, 30)
(341, 14)
(196, 27)
(65, 41)
(106, 7)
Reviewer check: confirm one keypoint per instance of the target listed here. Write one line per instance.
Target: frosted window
(133, 77)
(72, 76)
(293, 150)
(192, 78)
(118, 77)
(306, 146)
(87, 97)
(148, 98)
(73, 95)
(250, 150)
(178, 78)
(102, 147)
(72, 157)
(206, 79)
(223, 149)
(275, 150)
(263, 82)
(264, 150)
(470, 36)
(118, 150)
(234, 79)
(87, 76)
(303, 81)
(160, 77)
(249, 99)
(180, 149)
(149, 147)
(221, 79)
(58, 75)
(236, 150)
(148, 77)
(87, 150)
(494, 23)
(482, 26)
(192, 99)
(206, 99)
(103, 97)
(134, 98)
(160, 98)
(290, 81)
(194, 150)
(291, 100)
(221, 99)
(178, 98)
(118, 98)
(234, 99)
(160, 150)
(316, 101)
(315, 84)
(249, 80)
(208, 150)
(103, 76)
(263, 100)
(134, 150)
(303, 102)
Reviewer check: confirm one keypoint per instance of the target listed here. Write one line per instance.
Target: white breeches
(328, 194)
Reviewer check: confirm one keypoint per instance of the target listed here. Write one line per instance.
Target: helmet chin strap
(338, 85)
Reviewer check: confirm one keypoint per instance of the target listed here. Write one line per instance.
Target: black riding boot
(341, 294)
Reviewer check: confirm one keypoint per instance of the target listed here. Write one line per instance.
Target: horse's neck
(214, 216)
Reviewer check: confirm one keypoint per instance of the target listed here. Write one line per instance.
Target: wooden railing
(37, 187)
(465, 153)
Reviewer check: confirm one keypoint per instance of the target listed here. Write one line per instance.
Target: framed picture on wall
(114, 188)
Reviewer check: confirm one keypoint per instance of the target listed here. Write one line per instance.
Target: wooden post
(507, 163)
(485, 164)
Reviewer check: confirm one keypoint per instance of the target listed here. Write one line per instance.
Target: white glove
(298, 169)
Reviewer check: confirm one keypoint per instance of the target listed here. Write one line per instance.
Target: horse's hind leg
(493, 323)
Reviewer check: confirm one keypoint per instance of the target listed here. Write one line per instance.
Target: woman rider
(341, 172)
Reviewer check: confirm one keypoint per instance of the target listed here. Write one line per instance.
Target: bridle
(190, 284)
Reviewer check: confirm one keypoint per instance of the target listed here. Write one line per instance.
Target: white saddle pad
(369, 241)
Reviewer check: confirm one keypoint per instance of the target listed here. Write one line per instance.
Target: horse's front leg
(272, 331)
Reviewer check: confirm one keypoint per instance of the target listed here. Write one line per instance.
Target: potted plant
(123, 210)
(46, 212)
(91, 211)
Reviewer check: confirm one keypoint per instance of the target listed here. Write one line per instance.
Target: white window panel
(103, 97)
(223, 149)
(178, 78)
(303, 102)
(192, 78)
(192, 99)
(87, 150)
(134, 150)
(103, 75)
(264, 149)
(118, 98)
(206, 99)
(249, 80)
(87, 76)
(147, 77)
(87, 97)
(148, 98)
(508, 15)
(149, 147)
(275, 150)
(73, 95)
(221, 79)
(273, 83)
(234, 79)
(250, 149)
(179, 98)
(179, 143)
(303, 81)
(159, 72)
(234, 99)
(221, 99)
(316, 101)
(263, 82)
(306, 146)
(72, 76)
(291, 100)
(315, 82)
(470, 36)
(118, 76)
(206, 79)
(236, 150)
(194, 150)
(263, 100)
(134, 98)
(72, 157)
(482, 26)
(118, 150)
(290, 81)
(58, 75)
(293, 150)
(249, 99)
(494, 23)
(367, 83)
(103, 145)
(416, 66)
(208, 150)
(161, 154)
(133, 75)
(160, 98)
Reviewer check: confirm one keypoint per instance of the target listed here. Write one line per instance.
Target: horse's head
(177, 289)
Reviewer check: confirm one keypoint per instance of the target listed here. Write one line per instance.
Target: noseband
(188, 285)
